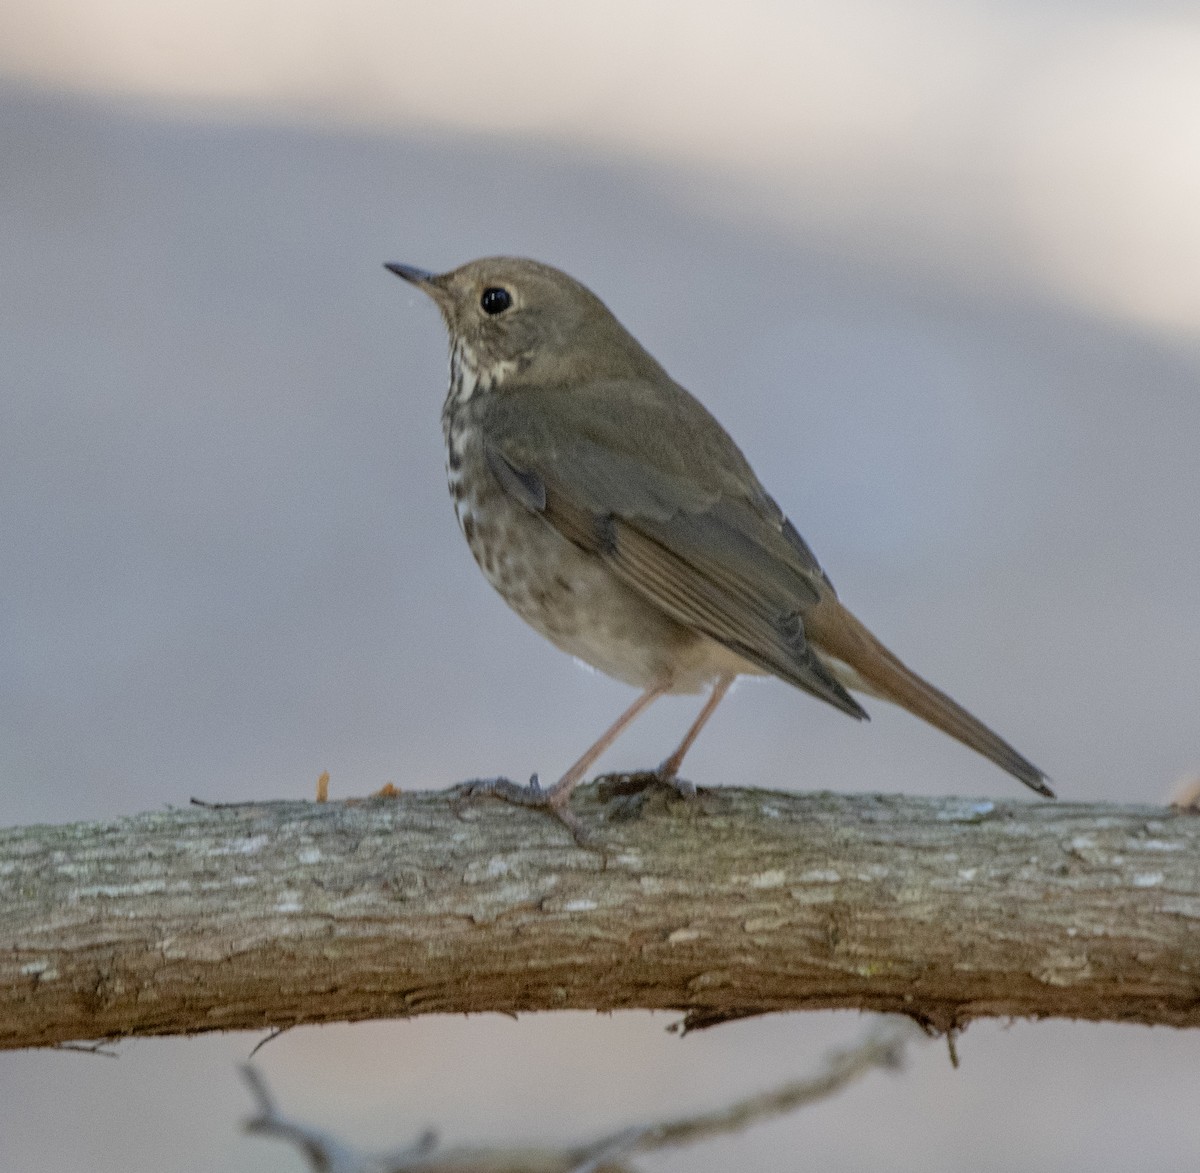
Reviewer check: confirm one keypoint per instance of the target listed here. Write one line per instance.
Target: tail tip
(1036, 780)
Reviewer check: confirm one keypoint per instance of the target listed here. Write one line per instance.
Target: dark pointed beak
(410, 273)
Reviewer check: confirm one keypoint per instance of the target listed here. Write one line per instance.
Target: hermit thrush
(617, 517)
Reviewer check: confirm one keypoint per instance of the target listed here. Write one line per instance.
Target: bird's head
(510, 315)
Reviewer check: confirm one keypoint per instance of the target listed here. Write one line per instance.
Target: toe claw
(552, 801)
(683, 787)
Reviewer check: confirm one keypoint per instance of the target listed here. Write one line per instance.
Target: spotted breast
(562, 592)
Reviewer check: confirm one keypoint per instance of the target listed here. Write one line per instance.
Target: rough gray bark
(743, 901)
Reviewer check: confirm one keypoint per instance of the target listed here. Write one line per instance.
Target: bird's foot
(630, 792)
(552, 801)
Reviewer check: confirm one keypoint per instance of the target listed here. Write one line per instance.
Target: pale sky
(1058, 144)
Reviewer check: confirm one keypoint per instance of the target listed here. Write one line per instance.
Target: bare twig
(325, 1153)
(882, 1047)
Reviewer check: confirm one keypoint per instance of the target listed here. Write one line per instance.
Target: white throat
(467, 379)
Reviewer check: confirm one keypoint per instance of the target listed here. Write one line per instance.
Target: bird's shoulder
(654, 425)
(639, 449)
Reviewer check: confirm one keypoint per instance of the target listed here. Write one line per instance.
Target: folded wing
(710, 549)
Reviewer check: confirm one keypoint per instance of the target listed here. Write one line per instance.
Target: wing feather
(711, 550)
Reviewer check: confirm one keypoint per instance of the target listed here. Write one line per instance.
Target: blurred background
(937, 268)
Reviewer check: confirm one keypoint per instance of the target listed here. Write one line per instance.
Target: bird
(619, 519)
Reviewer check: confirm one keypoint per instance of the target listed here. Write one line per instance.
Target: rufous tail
(833, 631)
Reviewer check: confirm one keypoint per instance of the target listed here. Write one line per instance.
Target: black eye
(495, 300)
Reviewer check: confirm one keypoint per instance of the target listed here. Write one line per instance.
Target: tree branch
(883, 1046)
(739, 902)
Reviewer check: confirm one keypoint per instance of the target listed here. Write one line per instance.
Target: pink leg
(555, 799)
(558, 794)
(670, 767)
